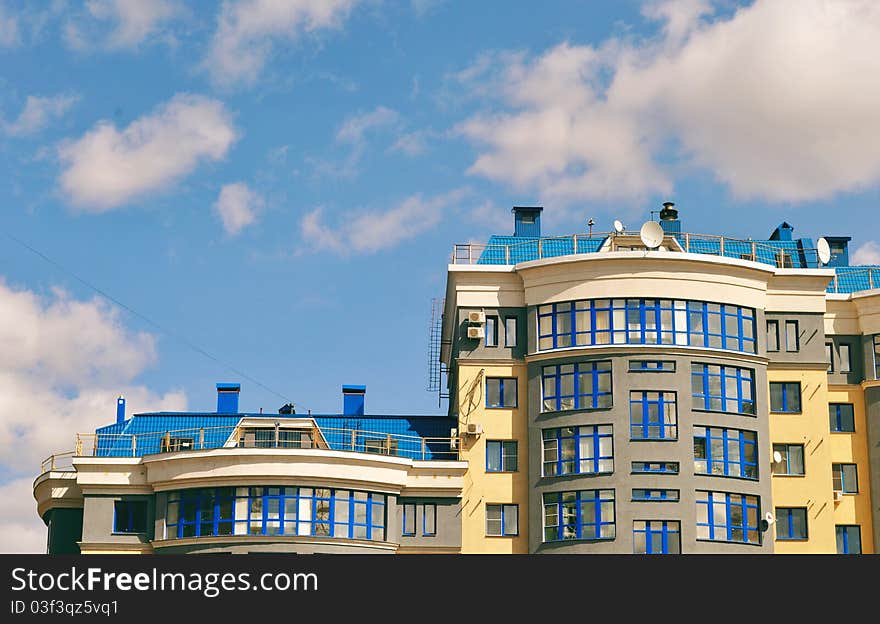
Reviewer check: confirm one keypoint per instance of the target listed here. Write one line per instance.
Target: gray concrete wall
(465, 347)
(857, 360)
(872, 416)
(98, 520)
(448, 525)
(626, 451)
(811, 329)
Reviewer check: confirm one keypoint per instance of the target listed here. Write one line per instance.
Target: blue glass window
(652, 366)
(845, 478)
(842, 417)
(275, 511)
(646, 321)
(502, 520)
(655, 467)
(410, 519)
(849, 539)
(791, 523)
(130, 516)
(501, 391)
(785, 396)
(655, 495)
(723, 388)
(491, 331)
(727, 517)
(656, 537)
(582, 385)
(580, 515)
(725, 452)
(501, 456)
(653, 415)
(578, 450)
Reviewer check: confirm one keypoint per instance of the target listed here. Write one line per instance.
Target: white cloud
(9, 29)
(63, 363)
(106, 167)
(778, 100)
(868, 253)
(237, 206)
(413, 143)
(247, 31)
(134, 20)
(371, 231)
(354, 127)
(38, 112)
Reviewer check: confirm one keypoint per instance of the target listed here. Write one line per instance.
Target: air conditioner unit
(476, 316)
(474, 428)
(453, 438)
(838, 496)
(476, 331)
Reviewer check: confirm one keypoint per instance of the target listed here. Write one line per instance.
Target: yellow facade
(481, 487)
(852, 448)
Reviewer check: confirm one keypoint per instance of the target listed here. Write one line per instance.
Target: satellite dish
(769, 517)
(651, 234)
(777, 456)
(618, 227)
(824, 251)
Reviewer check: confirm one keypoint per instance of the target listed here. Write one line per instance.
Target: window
(792, 336)
(170, 444)
(842, 417)
(130, 516)
(727, 517)
(785, 397)
(491, 331)
(277, 511)
(829, 356)
(646, 321)
(877, 356)
(655, 467)
(410, 519)
(580, 515)
(719, 388)
(725, 452)
(792, 459)
(843, 354)
(791, 523)
(501, 456)
(657, 366)
(385, 445)
(772, 335)
(577, 450)
(845, 478)
(500, 392)
(653, 415)
(583, 385)
(655, 495)
(502, 520)
(656, 537)
(849, 539)
(510, 331)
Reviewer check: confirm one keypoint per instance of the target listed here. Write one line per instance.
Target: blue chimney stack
(353, 400)
(782, 233)
(227, 398)
(839, 250)
(120, 409)
(527, 221)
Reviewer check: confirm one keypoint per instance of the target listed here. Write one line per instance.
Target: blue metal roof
(854, 278)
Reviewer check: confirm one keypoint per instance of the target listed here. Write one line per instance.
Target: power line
(146, 319)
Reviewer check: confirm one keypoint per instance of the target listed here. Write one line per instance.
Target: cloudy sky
(276, 185)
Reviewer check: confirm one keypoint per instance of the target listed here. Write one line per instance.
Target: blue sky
(280, 182)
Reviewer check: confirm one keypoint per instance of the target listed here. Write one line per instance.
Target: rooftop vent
(527, 221)
(839, 246)
(227, 398)
(669, 219)
(782, 233)
(353, 400)
(120, 409)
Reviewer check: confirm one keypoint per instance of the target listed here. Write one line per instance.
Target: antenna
(824, 250)
(618, 227)
(777, 456)
(769, 517)
(651, 234)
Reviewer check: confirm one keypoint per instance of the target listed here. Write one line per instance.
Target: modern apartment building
(706, 395)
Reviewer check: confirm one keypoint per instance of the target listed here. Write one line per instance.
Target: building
(706, 395)
(617, 399)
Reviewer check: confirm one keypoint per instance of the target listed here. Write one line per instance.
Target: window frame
(595, 497)
(774, 324)
(845, 534)
(739, 438)
(645, 424)
(503, 457)
(405, 520)
(786, 459)
(130, 516)
(797, 336)
(666, 531)
(502, 507)
(789, 523)
(845, 362)
(838, 467)
(432, 508)
(596, 369)
(501, 383)
(836, 419)
(491, 332)
(508, 322)
(784, 397)
(665, 366)
(744, 379)
(592, 434)
(744, 506)
(674, 467)
(663, 495)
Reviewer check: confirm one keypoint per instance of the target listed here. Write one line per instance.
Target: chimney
(839, 250)
(353, 400)
(120, 409)
(782, 232)
(669, 219)
(227, 398)
(527, 221)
